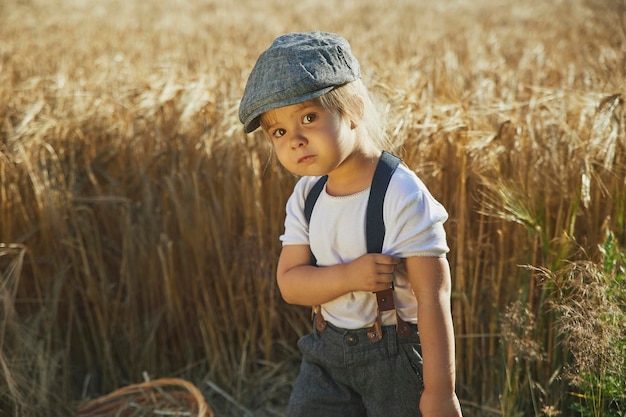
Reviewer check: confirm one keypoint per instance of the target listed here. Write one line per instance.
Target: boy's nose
(298, 140)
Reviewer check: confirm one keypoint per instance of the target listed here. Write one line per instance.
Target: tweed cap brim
(297, 67)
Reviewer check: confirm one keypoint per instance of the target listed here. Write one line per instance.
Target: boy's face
(309, 140)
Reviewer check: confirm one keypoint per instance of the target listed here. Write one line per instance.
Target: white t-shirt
(413, 227)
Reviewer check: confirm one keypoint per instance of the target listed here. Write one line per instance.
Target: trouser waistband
(355, 338)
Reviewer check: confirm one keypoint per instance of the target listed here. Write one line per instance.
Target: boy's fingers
(388, 259)
(385, 283)
(387, 269)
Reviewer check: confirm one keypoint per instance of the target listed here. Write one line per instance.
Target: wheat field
(139, 225)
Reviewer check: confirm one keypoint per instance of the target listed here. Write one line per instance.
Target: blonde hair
(353, 101)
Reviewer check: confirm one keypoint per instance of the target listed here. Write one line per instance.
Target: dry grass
(138, 225)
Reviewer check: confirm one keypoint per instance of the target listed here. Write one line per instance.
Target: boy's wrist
(440, 403)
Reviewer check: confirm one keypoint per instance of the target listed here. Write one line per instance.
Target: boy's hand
(435, 405)
(372, 272)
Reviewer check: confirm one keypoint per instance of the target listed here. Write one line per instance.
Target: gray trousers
(344, 374)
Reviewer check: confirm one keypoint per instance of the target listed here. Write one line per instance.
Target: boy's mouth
(306, 159)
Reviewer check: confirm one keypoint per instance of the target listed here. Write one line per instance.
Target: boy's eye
(278, 133)
(309, 118)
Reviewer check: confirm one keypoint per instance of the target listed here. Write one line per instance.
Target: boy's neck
(354, 174)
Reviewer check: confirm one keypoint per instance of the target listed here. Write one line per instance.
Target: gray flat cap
(297, 67)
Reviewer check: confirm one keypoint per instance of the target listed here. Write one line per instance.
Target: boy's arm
(304, 284)
(430, 280)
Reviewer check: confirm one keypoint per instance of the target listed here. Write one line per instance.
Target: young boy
(365, 355)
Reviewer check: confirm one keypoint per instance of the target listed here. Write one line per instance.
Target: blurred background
(139, 225)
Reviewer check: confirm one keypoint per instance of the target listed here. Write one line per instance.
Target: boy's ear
(359, 112)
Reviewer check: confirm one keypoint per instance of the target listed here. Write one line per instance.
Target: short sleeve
(413, 218)
(296, 226)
